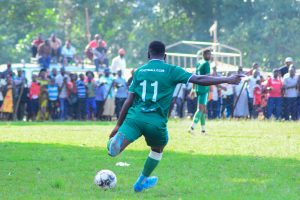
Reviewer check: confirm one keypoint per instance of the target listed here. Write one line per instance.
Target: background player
(202, 68)
(146, 109)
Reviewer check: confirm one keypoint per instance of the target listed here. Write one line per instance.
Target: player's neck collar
(156, 60)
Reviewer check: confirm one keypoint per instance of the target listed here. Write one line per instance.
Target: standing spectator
(43, 98)
(191, 101)
(285, 69)
(227, 99)
(53, 91)
(100, 96)
(35, 44)
(99, 56)
(68, 52)
(122, 92)
(63, 80)
(53, 73)
(73, 99)
(90, 101)
(55, 44)
(2, 85)
(179, 96)
(119, 63)
(250, 89)
(109, 105)
(257, 99)
(298, 99)
(274, 86)
(130, 78)
(81, 93)
(7, 107)
(20, 93)
(241, 109)
(34, 93)
(44, 51)
(290, 95)
(212, 104)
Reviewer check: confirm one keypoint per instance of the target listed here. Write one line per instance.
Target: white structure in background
(225, 57)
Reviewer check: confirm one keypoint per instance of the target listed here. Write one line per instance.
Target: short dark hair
(157, 48)
(206, 51)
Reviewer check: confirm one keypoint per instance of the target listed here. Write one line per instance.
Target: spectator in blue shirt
(53, 92)
(81, 92)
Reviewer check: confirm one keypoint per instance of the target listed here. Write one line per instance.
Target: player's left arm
(128, 103)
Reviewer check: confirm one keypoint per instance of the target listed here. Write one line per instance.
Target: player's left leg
(200, 115)
(156, 138)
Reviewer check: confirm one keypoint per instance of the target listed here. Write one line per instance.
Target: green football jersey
(202, 68)
(154, 85)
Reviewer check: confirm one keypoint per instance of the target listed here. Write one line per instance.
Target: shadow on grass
(56, 123)
(39, 171)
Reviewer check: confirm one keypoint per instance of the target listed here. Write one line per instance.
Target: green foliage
(265, 30)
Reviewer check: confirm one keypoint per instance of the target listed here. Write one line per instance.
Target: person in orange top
(274, 86)
(7, 107)
(34, 92)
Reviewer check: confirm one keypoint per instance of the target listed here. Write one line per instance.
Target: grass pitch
(237, 160)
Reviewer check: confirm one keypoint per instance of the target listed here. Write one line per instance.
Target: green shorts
(154, 136)
(202, 98)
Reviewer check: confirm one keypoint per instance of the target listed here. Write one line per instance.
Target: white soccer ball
(105, 179)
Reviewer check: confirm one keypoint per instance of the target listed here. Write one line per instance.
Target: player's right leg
(127, 134)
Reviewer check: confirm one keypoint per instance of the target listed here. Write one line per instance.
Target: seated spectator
(92, 45)
(81, 93)
(55, 44)
(53, 91)
(34, 93)
(290, 95)
(8, 71)
(255, 67)
(122, 92)
(91, 101)
(7, 107)
(274, 87)
(44, 52)
(100, 57)
(119, 62)
(68, 52)
(35, 44)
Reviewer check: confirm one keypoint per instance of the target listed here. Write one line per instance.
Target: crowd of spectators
(100, 94)
(256, 96)
(62, 95)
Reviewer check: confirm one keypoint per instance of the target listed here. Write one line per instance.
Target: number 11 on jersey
(144, 85)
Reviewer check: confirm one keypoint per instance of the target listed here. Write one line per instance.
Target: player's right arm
(128, 103)
(206, 80)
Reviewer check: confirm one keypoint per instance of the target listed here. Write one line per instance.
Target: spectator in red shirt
(274, 86)
(34, 92)
(257, 100)
(35, 44)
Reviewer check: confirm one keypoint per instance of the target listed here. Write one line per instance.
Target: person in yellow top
(7, 107)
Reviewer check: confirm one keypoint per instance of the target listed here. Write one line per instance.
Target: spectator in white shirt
(251, 84)
(119, 63)
(68, 51)
(290, 95)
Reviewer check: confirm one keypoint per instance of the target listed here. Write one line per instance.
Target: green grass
(237, 160)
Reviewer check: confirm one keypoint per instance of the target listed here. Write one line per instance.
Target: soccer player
(202, 91)
(146, 109)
